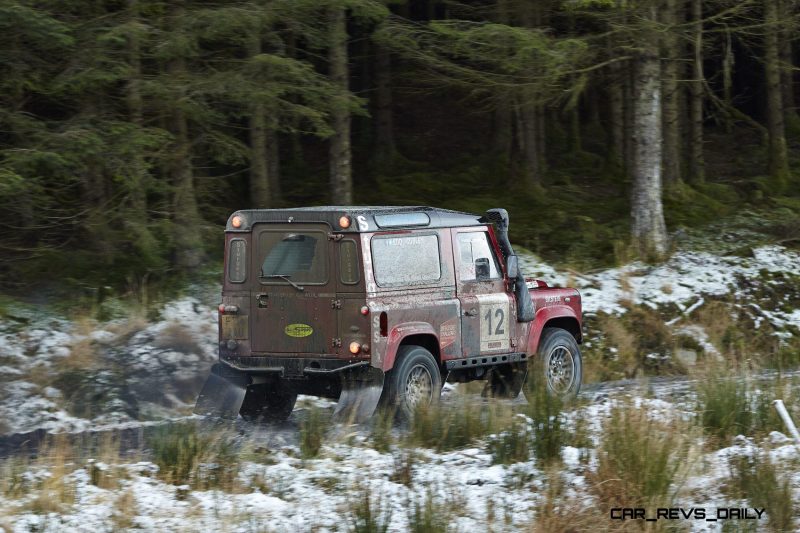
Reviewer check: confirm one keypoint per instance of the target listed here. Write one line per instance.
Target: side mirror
(482, 268)
(512, 267)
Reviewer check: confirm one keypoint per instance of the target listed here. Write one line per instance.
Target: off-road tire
(415, 373)
(557, 365)
(267, 403)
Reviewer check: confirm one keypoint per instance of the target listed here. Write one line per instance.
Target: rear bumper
(292, 367)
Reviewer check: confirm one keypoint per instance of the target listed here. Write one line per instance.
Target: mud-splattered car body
(314, 298)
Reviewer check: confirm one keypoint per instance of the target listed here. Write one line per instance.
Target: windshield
(297, 255)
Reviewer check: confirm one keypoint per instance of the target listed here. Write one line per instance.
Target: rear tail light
(365, 310)
(228, 309)
(355, 347)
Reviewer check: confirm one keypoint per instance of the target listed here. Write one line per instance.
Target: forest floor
(682, 361)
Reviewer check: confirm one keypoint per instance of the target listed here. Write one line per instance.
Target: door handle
(471, 312)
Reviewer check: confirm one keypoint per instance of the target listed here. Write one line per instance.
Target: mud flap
(223, 393)
(361, 392)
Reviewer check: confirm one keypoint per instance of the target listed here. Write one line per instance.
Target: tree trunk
(274, 164)
(138, 177)
(529, 137)
(670, 88)
(615, 75)
(503, 137)
(787, 64)
(647, 226)
(696, 135)
(340, 156)
(188, 243)
(259, 168)
(383, 104)
(778, 159)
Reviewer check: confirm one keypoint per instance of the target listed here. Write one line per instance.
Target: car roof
(364, 218)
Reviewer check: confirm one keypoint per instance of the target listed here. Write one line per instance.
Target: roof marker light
(236, 221)
(344, 222)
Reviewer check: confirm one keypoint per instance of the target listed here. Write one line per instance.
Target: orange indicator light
(236, 221)
(344, 222)
(355, 347)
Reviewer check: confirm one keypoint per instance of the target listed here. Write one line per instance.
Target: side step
(485, 360)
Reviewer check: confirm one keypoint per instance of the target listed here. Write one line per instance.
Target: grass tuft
(312, 433)
(185, 456)
(548, 433)
(369, 513)
(514, 444)
(427, 515)
(757, 480)
(449, 427)
(638, 459)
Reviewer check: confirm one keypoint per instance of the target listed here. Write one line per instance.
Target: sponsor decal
(447, 333)
(298, 330)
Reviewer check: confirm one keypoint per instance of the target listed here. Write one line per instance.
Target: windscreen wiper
(284, 277)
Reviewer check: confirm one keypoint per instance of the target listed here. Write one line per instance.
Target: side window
(406, 260)
(471, 246)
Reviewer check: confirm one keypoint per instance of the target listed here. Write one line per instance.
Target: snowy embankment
(134, 373)
(684, 281)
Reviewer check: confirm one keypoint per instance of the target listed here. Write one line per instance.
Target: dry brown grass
(715, 318)
(624, 341)
(83, 353)
(560, 514)
(125, 511)
(639, 459)
(54, 492)
(177, 337)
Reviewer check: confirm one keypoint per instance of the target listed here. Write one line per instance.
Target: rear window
(299, 255)
(406, 260)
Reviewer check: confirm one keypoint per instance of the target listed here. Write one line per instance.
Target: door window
(474, 245)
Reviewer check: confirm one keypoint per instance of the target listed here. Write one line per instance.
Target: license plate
(234, 327)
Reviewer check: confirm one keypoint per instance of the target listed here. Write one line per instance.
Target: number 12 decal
(494, 333)
(498, 313)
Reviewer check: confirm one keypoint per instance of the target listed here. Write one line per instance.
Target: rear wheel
(414, 382)
(557, 365)
(268, 403)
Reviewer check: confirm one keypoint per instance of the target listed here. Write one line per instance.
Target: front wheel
(267, 403)
(414, 382)
(557, 365)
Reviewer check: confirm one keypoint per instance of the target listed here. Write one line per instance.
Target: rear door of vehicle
(293, 291)
(486, 310)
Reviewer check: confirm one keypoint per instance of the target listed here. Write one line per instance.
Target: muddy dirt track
(133, 437)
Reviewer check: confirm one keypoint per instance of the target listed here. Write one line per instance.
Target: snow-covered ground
(142, 373)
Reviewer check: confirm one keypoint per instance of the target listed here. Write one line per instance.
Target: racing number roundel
(493, 314)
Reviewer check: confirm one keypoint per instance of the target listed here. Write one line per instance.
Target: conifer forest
(130, 129)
